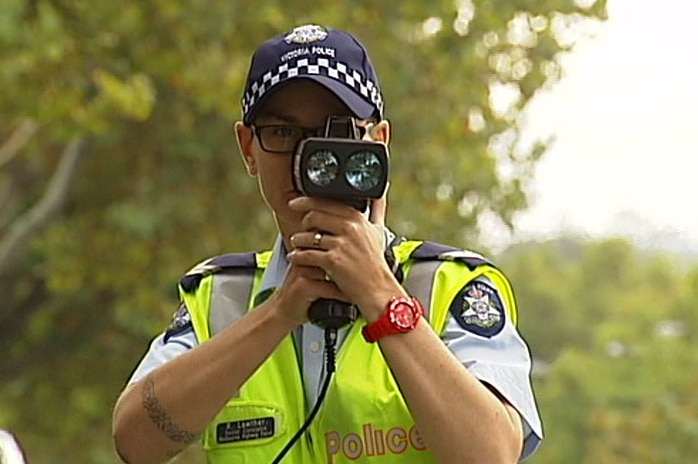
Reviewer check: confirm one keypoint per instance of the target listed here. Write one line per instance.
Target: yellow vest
(364, 415)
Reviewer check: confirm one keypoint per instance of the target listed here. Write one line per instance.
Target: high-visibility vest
(364, 415)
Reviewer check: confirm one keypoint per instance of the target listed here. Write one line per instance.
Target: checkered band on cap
(313, 66)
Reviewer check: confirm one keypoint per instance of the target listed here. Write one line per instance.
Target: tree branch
(18, 139)
(15, 242)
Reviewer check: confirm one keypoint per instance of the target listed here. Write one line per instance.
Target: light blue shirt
(502, 361)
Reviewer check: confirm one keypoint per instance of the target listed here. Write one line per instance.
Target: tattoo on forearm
(159, 416)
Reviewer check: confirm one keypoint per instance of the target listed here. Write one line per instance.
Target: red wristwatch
(400, 316)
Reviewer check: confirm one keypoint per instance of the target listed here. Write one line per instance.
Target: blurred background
(553, 135)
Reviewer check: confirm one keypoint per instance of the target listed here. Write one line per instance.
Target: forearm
(162, 414)
(461, 420)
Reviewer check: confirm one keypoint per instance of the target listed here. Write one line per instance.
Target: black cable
(330, 342)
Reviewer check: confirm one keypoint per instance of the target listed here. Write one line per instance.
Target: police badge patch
(181, 321)
(478, 309)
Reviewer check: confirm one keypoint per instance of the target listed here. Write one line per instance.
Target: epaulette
(438, 251)
(191, 280)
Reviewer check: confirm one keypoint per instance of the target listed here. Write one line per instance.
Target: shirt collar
(276, 269)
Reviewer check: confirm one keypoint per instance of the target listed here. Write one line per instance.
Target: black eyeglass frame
(306, 132)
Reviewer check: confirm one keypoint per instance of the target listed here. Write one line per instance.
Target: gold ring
(316, 240)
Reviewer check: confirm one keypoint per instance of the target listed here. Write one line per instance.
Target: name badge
(245, 430)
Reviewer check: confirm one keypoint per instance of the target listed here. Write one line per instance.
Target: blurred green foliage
(118, 171)
(613, 329)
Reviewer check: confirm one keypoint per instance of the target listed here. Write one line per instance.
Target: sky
(625, 159)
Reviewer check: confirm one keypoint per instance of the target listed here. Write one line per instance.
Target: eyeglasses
(284, 138)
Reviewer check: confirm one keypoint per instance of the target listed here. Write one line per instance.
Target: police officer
(433, 370)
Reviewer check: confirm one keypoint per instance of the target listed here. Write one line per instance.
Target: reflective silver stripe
(419, 281)
(232, 292)
(231, 298)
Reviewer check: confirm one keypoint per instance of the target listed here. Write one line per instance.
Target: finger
(311, 240)
(316, 282)
(317, 240)
(321, 205)
(319, 274)
(310, 258)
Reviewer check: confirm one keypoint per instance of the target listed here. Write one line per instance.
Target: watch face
(402, 315)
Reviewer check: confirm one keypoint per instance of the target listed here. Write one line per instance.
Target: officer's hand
(350, 251)
(303, 285)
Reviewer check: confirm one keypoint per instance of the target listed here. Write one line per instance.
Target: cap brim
(357, 105)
